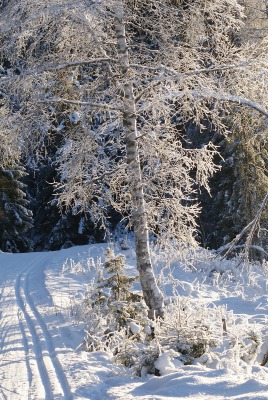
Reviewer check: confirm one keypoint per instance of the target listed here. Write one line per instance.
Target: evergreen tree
(15, 217)
(117, 281)
(53, 228)
(237, 190)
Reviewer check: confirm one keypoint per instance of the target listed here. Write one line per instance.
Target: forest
(122, 115)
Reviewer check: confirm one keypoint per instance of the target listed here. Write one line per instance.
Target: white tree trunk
(152, 294)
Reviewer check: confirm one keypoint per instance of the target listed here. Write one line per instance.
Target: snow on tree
(240, 186)
(15, 217)
(135, 73)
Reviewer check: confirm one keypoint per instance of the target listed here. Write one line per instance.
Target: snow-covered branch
(226, 97)
(70, 64)
(251, 227)
(222, 97)
(174, 75)
(56, 67)
(82, 103)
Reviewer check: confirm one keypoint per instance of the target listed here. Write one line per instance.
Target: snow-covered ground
(41, 335)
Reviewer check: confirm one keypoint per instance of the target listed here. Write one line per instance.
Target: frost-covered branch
(219, 96)
(251, 227)
(157, 187)
(70, 64)
(82, 103)
(97, 41)
(107, 173)
(174, 75)
(225, 97)
(55, 67)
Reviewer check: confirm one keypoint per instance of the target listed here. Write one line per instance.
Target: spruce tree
(15, 216)
(238, 189)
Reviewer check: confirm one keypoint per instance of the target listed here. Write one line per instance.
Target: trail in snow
(37, 347)
(25, 339)
(40, 340)
(48, 342)
(15, 370)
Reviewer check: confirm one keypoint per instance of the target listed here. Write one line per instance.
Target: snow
(135, 328)
(74, 116)
(165, 363)
(41, 332)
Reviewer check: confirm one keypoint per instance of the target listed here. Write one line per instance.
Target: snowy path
(29, 365)
(40, 339)
(39, 359)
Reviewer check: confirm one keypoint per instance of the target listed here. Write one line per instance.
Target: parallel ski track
(5, 329)
(8, 333)
(43, 347)
(3, 324)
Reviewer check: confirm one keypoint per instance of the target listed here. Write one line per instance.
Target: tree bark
(152, 294)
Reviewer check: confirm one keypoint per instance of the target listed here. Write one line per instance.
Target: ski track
(45, 376)
(26, 350)
(49, 343)
(14, 365)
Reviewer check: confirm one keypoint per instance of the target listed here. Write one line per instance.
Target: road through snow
(29, 363)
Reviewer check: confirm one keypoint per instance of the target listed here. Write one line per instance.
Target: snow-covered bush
(194, 330)
(82, 266)
(186, 333)
(117, 322)
(190, 327)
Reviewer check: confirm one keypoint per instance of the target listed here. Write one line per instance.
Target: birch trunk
(152, 294)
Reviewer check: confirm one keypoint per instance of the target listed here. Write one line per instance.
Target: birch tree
(134, 74)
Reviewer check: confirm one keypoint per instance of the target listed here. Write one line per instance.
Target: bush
(192, 331)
